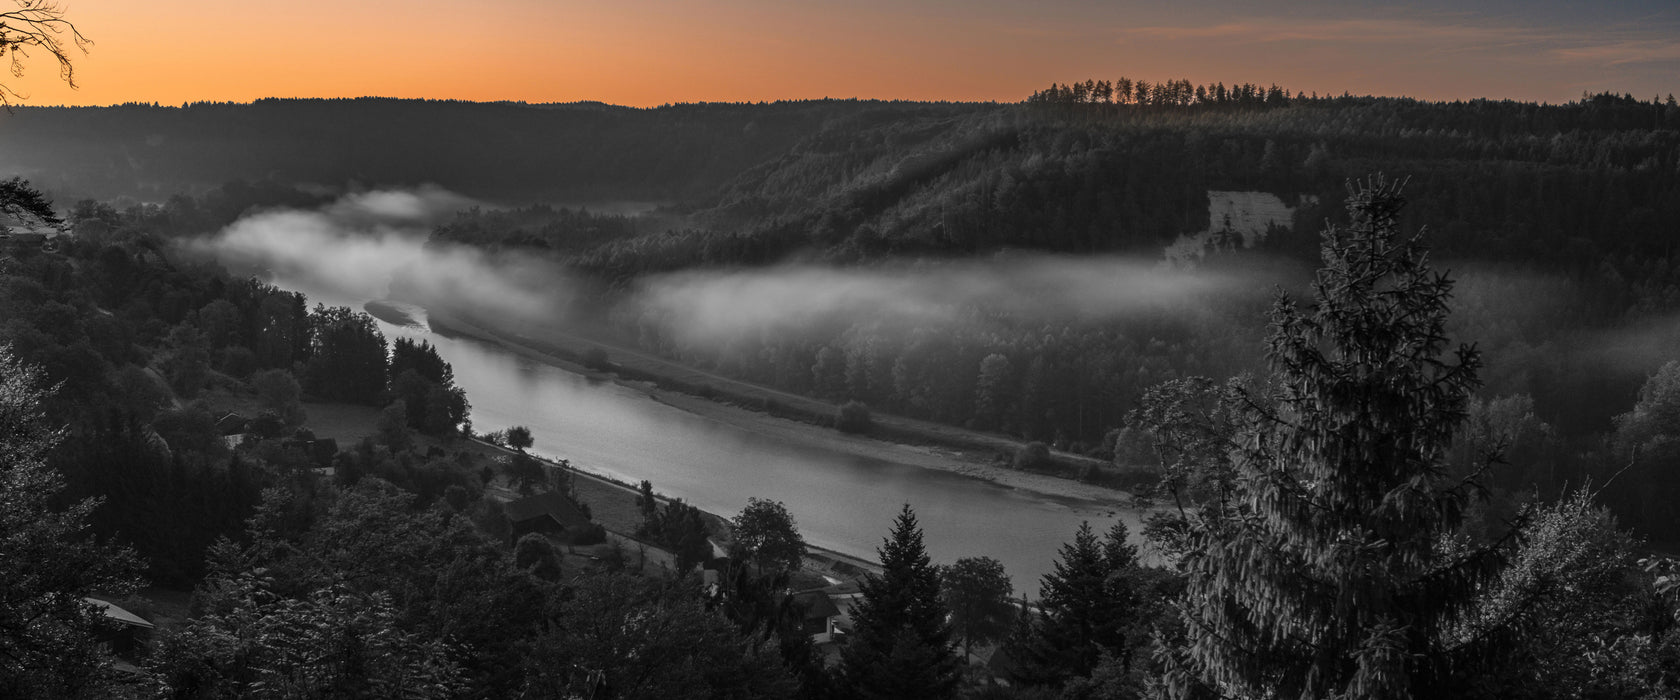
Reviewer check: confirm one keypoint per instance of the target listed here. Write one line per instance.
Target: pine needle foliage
(901, 643)
(1330, 578)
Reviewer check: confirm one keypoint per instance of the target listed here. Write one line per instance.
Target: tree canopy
(1330, 578)
(900, 646)
(767, 537)
(49, 564)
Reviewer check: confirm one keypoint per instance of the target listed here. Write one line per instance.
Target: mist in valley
(377, 245)
(359, 245)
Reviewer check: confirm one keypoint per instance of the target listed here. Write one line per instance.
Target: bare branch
(38, 24)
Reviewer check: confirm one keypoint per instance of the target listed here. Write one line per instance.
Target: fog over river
(843, 502)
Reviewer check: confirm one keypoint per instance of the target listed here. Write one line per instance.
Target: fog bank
(713, 306)
(356, 246)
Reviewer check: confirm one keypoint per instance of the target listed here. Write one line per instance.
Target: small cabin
(128, 633)
(548, 513)
(819, 615)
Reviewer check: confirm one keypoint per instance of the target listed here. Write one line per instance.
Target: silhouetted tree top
(19, 201)
(38, 24)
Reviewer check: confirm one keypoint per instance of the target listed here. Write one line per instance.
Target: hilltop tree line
(504, 151)
(1126, 91)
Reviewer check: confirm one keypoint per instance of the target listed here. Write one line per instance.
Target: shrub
(595, 358)
(1032, 456)
(853, 418)
(589, 534)
(239, 361)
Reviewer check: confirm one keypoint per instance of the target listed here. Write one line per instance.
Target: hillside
(506, 152)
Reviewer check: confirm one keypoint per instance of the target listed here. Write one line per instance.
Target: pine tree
(1087, 606)
(900, 645)
(1330, 578)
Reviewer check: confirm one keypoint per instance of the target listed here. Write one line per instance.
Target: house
(319, 450)
(548, 513)
(232, 423)
(819, 615)
(129, 634)
(19, 235)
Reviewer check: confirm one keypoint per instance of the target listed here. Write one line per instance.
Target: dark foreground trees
(1089, 613)
(977, 592)
(48, 562)
(901, 645)
(1329, 578)
(615, 635)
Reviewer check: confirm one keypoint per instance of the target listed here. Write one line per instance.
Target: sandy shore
(967, 463)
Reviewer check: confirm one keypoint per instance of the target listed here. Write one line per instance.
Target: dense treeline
(1171, 93)
(496, 151)
(1133, 179)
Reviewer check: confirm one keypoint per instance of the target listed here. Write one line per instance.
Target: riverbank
(613, 505)
(987, 462)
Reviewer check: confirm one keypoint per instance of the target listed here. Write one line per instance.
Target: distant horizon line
(452, 100)
(748, 103)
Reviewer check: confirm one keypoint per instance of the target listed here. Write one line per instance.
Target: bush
(853, 418)
(589, 534)
(266, 425)
(1033, 456)
(239, 361)
(519, 437)
(595, 358)
(533, 553)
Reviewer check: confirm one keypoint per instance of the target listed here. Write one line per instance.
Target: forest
(1416, 441)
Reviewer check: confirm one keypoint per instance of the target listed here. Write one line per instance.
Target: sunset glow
(651, 52)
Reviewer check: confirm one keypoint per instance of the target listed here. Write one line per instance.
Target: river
(844, 502)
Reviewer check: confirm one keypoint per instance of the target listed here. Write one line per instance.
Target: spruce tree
(1087, 606)
(1330, 577)
(900, 646)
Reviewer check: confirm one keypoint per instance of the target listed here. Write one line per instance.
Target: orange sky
(650, 52)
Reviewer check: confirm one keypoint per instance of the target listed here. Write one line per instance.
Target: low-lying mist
(356, 247)
(1533, 325)
(715, 306)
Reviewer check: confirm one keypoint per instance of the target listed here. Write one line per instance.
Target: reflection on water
(843, 502)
